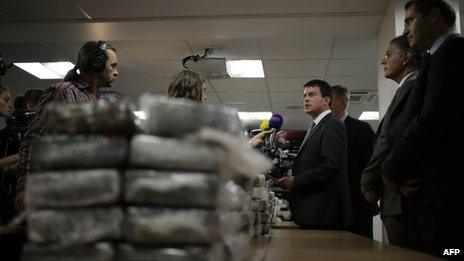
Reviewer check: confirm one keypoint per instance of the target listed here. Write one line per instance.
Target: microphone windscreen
(276, 121)
(264, 125)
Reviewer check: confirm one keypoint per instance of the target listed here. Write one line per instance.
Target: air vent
(362, 96)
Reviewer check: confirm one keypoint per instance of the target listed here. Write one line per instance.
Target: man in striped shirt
(96, 67)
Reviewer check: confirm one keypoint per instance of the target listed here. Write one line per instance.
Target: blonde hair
(186, 84)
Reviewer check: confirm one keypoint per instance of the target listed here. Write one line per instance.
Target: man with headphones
(96, 67)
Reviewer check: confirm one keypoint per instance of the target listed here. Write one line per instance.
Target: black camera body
(18, 122)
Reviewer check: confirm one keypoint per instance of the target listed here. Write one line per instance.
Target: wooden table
(289, 243)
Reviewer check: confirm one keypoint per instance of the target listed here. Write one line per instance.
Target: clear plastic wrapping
(126, 252)
(76, 188)
(177, 117)
(166, 226)
(78, 152)
(74, 227)
(97, 252)
(260, 193)
(172, 154)
(171, 189)
(101, 117)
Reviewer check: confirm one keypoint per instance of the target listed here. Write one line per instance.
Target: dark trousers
(362, 225)
(397, 230)
(436, 229)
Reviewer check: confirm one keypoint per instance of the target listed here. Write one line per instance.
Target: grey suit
(390, 208)
(320, 198)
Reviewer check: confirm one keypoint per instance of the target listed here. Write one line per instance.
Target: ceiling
(297, 40)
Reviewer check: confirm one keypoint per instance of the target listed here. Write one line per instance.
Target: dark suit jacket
(320, 197)
(361, 139)
(372, 176)
(431, 144)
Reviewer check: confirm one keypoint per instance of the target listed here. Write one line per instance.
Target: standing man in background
(400, 64)
(361, 139)
(320, 197)
(425, 164)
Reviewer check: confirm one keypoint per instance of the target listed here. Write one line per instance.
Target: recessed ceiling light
(52, 70)
(245, 68)
(369, 115)
(257, 115)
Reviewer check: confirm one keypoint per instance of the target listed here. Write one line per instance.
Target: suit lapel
(403, 92)
(315, 130)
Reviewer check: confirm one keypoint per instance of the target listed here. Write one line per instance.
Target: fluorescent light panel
(258, 115)
(45, 71)
(140, 114)
(245, 68)
(369, 115)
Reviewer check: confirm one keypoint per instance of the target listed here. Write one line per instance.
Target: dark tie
(426, 60)
(308, 132)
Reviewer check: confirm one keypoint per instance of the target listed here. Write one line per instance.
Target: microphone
(276, 121)
(264, 125)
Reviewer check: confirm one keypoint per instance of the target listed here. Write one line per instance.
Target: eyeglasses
(388, 54)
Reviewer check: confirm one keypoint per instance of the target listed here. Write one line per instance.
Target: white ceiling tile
(294, 68)
(352, 67)
(156, 50)
(296, 6)
(248, 97)
(239, 85)
(20, 86)
(208, 7)
(295, 48)
(228, 48)
(250, 106)
(281, 107)
(287, 96)
(364, 5)
(161, 69)
(289, 84)
(22, 10)
(123, 8)
(135, 85)
(355, 83)
(28, 52)
(355, 48)
(128, 69)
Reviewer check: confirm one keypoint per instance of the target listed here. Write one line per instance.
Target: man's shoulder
(63, 86)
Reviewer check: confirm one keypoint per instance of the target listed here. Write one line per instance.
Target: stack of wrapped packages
(263, 208)
(173, 192)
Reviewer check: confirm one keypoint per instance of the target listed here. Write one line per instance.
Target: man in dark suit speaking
(320, 197)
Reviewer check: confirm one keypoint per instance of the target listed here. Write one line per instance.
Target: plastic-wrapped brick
(260, 181)
(259, 205)
(173, 154)
(75, 188)
(101, 117)
(260, 193)
(126, 252)
(178, 117)
(96, 252)
(165, 226)
(78, 152)
(171, 189)
(74, 227)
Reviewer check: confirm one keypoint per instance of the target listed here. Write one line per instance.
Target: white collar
(321, 116)
(406, 77)
(343, 118)
(439, 42)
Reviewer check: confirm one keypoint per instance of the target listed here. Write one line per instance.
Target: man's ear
(407, 59)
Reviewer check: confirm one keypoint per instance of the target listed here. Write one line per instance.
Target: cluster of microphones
(273, 125)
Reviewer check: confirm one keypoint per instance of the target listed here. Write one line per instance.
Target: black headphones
(96, 61)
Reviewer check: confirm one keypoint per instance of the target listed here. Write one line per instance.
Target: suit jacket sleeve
(372, 176)
(440, 112)
(333, 153)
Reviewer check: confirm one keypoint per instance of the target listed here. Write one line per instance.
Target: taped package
(101, 117)
(126, 252)
(178, 117)
(168, 226)
(96, 252)
(78, 152)
(173, 154)
(74, 227)
(73, 188)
